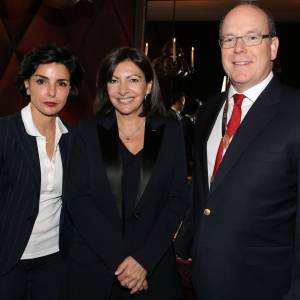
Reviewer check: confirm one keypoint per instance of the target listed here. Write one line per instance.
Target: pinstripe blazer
(19, 188)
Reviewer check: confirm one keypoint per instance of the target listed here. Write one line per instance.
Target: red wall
(92, 29)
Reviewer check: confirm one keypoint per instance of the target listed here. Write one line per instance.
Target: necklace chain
(132, 134)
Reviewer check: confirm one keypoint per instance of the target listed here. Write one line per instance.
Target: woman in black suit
(33, 155)
(128, 189)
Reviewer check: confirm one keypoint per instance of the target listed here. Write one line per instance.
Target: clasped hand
(132, 275)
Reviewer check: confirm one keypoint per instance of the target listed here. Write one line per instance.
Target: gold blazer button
(206, 212)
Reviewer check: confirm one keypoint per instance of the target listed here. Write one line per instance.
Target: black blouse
(131, 165)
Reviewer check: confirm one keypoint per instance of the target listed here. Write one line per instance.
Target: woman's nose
(51, 90)
(123, 87)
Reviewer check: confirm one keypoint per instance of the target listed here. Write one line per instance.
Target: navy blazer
(20, 180)
(95, 205)
(248, 247)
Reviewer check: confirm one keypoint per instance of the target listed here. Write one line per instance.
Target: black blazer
(248, 247)
(95, 200)
(19, 188)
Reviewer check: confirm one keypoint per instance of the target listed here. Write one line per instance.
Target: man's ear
(274, 47)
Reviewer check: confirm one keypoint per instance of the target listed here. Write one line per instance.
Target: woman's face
(127, 88)
(48, 89)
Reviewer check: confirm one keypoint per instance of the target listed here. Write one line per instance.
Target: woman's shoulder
(86, 122)
(167, 120)
(8, 121)
(87, 126)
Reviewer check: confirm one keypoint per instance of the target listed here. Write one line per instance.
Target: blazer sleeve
(161, 237)
(87, 218)
(3, 141)
(294, 292)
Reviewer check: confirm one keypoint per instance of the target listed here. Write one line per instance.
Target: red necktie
(231, 128)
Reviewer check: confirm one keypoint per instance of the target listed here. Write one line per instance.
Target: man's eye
(228, 39)
(134, 80)
(252, 37)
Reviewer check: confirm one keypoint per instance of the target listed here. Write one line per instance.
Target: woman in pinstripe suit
(33, 149)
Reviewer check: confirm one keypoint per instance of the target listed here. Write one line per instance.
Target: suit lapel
(108, 137)
(260, 114)
(203, 132)
(152, 143)
(64, 148)
(29, 146)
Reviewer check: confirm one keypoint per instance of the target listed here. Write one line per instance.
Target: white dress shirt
(44, 238)
(216, 134)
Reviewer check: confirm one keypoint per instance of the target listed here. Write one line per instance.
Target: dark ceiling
(204, 10)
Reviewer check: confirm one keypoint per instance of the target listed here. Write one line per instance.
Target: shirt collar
(253, 93)
(31, 128)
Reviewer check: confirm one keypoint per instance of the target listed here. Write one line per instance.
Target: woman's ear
(26, 84)
(149, 87)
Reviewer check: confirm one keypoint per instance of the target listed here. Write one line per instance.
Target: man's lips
(241, 63)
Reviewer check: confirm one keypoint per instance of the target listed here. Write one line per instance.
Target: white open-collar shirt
(44, 239)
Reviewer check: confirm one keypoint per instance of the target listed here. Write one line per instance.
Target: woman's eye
(134, 80)
(40, 81)
(63, 84)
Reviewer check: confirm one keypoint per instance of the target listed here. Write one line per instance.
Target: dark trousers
(34, 279)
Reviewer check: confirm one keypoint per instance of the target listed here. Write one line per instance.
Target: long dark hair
(152, 103)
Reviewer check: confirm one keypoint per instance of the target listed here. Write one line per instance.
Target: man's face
(180, 104)
(246, 66)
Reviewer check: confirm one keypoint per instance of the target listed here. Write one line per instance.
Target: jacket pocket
(280, 257)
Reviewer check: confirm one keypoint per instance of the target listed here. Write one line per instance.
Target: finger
(124, 283)
(136, 277)
(145, 284)
(130, 274)
(136, 287)
(124, 276)
(132, 283)
(121, 267)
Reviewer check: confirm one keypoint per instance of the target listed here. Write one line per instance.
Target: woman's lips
(50, 104)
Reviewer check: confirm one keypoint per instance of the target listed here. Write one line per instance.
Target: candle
(224, 84)
(192, 57)
(146, 49)
(174, 50)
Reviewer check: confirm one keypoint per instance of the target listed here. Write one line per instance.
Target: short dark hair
(177, 96)
(152, 103)
(270, 18)
(48, 54)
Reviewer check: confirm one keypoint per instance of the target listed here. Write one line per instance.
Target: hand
(132, 275)
(144, 286)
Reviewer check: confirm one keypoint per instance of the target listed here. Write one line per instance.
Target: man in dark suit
(246, 183)
(176, 111)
